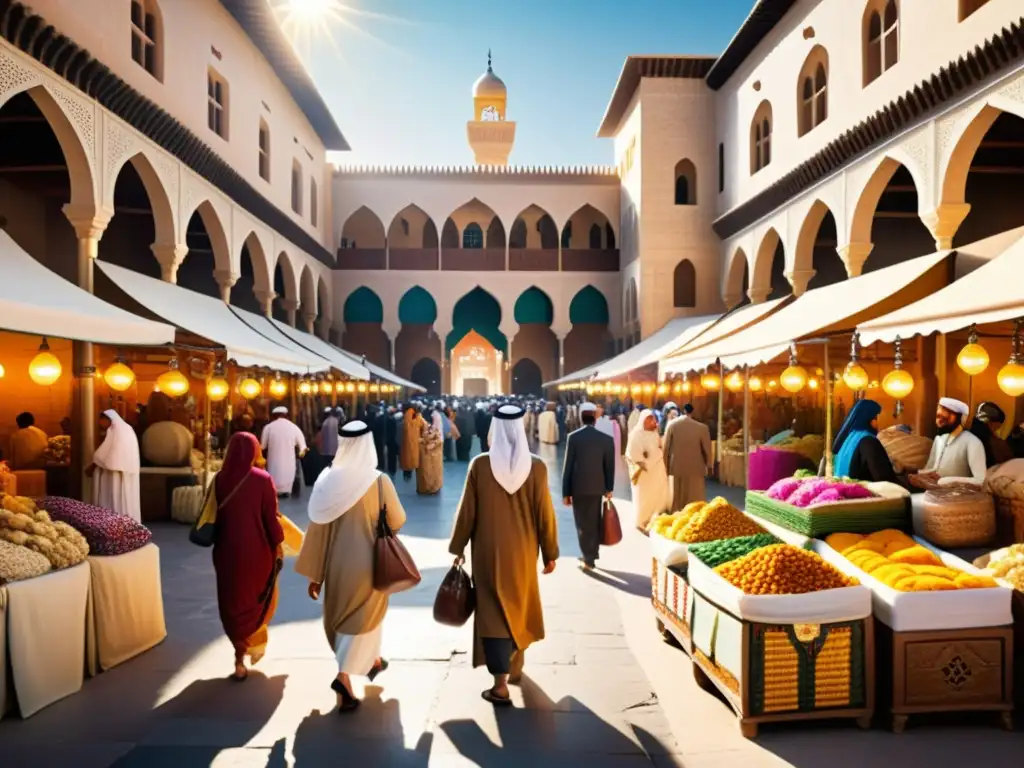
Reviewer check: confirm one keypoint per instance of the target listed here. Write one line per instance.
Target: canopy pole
(721, 415)
(828, 413)
(746, 426)
(207, 429)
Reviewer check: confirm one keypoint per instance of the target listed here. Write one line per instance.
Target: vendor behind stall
(858, 451)
(988, 420)
(956, 452)
(28, 444)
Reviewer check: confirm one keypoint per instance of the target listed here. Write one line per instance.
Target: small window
(313, 203)
(217, 104)
(813, 91)
(146, 47)
(405, 227)
(296, 187)
(721, 168)
(567, 235)
(881, 38)
(686, 183)
(473, 236)
(761, 138)
(264, 151)
(967, 7)
(595, 237)
(684, 285)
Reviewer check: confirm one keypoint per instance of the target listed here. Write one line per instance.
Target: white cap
(587, 408)
(326, 410)
(280, 409)
(954, 406)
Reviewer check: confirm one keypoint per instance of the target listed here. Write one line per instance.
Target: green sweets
(714, 553)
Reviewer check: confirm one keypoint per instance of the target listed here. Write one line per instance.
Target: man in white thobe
(548, 425)
(115, 468)
(282, 441)
(956, 452)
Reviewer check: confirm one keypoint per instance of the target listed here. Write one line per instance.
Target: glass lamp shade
(677, 388)
(1011, 379)
(374, 387)
(250, 388)
(973, 359)
(773, 385)
(44, 369)
(217, 389)
(755, 384)
(711, 382)
(350, 387)
(855, 377)
(362, 387)
(648, 389)
(119, 377)
(172, 383)
(305, 387)
(898, 384)
(687, 386)
(812, 384)
(734, 382)
(793, 379)
(636, 389)
(278, 388)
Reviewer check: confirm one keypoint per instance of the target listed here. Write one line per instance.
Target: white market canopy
(36, 301)
(830, 309)
(212, 319)
(693, 358)
(992, 293)
(673, 335)
(583, 374)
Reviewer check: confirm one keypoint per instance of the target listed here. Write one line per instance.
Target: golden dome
(489, 85)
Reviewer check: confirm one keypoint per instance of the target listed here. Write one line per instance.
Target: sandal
(380, 666)
(348, 701)
(238, 678)
(495, 699)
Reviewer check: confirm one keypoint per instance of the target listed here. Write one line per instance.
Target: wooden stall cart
(672, 599)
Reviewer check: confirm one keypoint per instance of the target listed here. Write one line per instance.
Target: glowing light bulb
(711, 382)
(250, 388)
(898, 384)
(755, 384)
(855, 377)
(1011, 379)
(45, 368)
(793, 379)
(973, 359)
(278, 388)
(119, 377)
(217, 388)
(305, 387)
(734, 382)
(172, 381)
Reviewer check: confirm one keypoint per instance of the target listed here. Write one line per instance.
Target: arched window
(264, 146)
(473, 236)
(881, 38)
(967, 7)
(761, 137)
(609, 235)
(296, 187)
(595, 237)
(813, 91)
(313, 202)
(684, 285)
(567, 235)
(686, 183)
(147, 42)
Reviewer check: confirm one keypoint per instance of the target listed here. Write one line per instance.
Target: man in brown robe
(507, 516)
(688, 458)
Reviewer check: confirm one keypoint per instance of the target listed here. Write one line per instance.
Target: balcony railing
(590, 260)
(362, 258)
(411, 259)
(473, 259)
(533, 260)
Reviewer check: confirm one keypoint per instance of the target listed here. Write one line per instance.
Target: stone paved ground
(602, 690)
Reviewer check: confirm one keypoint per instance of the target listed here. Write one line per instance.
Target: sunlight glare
(310, 10)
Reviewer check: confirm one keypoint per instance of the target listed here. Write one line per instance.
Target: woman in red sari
(247, 554)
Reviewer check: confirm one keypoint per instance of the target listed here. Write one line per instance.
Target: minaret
(490, 135)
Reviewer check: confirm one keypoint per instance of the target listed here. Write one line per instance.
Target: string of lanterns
(974, 359)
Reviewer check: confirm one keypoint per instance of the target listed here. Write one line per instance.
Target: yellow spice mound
(782, 569)
(702, 521)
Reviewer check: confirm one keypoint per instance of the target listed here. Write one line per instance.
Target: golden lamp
(794, 378)
(350, 387)
(305, 387)
(854, 375)
(172, 381)
(812, 384)
(250, 388)
(119, 376)
(362, 386)
(734, 382)
(278, 387)
(898, 383)
(973, 358)
(217, 388)
(711, 382)
(636, 389)
(45, 368)
(773, 385)
(755, 384)
(1011, 376)
(663, 389)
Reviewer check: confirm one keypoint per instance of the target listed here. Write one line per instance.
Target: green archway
(477, 311)
(589, 306)
(363, 306)
(534, 306)
(417, 307)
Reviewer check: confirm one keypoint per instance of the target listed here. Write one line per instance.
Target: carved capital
(759, 295)
(944, 222)
(309, 318)
(226, 279)
(854, 255)
(266, 300)
(799, 279)
(170, 256)
(732, 300)
(89, 221)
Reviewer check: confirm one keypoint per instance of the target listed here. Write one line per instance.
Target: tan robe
(510, 530)
(409, 455)
(687, 459)
(339, 555)
(430, 473)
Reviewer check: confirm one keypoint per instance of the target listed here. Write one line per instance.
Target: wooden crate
(672, 599)
(963, 670)
(788, 672)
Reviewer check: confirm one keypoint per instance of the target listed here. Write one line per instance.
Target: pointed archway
(476, 366)
(527, 378)
(427, 373)
(417, 312)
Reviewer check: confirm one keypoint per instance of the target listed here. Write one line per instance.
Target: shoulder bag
(456, 598)
(204, 531)
(611, 527)
(393, 566)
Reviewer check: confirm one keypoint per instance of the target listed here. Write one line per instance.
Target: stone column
(89, 227)
(799, 279)
(291, 307)
(944, 222)
(309, 318)
(170, 257)
(266, 300)
(759, 295)
(226, 280)
(854, 255)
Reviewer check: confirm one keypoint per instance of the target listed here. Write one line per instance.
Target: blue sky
(400, 85)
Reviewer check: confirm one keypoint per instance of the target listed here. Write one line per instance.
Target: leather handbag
(611, 527)
(456, 598)
(393, 567)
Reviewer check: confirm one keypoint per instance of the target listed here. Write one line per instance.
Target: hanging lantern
(217, 387)
(755, 384)
(711, 382)
(172, 381)
(278, 387)
(119, 376)
(855, 377)
(305, 387)
(794, 378)
(973, 358)
(636, 389)
(250, 388)
(350, 387)
(773, 385)
(1011, 375)
(2, 372)
(375, 388)
(897, 383)
(812, 384)
(734, 382)
(687, 386)
(663, 389)
(677, 388)
(45, 368)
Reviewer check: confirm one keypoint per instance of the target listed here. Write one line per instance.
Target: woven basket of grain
(957, 517)
(906, 452)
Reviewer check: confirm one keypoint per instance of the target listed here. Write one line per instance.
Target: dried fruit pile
(782, 569)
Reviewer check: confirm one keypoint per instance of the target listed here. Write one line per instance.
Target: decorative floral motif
(957, 673)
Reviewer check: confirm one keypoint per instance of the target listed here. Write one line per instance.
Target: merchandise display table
(126, 607)
(673, 601)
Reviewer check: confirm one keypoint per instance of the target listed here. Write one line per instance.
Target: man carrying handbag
(588, 479)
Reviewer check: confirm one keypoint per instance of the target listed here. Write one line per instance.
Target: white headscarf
(119, 451)
(437, 422)
(350, 476)
(510, 452)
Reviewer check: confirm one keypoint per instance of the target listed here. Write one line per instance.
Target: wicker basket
(1009, 521)
(955, 517)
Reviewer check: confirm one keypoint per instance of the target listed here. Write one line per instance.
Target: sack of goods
(956, 517)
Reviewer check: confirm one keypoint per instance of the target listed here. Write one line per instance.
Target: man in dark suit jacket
(587, 479)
